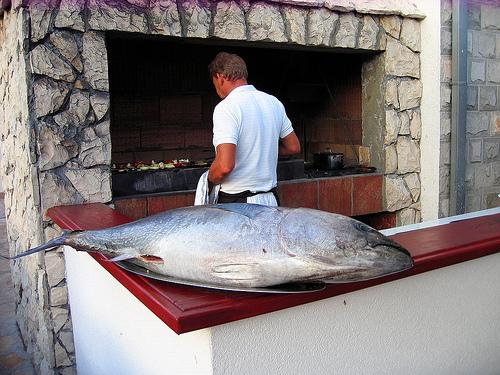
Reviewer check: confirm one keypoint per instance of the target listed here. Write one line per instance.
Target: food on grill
(155, 165)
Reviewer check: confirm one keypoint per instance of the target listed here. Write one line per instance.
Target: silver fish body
(248, 245)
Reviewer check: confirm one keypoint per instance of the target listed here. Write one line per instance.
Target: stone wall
(22, 201)
(482, 172)
(56, 147)
(482, 180)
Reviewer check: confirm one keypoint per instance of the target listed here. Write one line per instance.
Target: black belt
(242, 197)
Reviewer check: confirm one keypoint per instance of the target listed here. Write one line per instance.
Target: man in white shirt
(250, 129)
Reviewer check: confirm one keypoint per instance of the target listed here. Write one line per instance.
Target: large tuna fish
(246, 245)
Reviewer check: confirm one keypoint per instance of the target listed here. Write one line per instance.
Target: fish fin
(249, 210)
(237, 271)
(151, 259)
(55, 242)
(142, 258)
(121, 257)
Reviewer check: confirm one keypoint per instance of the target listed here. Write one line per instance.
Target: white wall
(430, 107)
(440, 322)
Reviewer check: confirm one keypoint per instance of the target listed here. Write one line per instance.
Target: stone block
(95, 59)
(41, 14)
(49, 95)
(400, 60)
(321, 24)
(409, 94)
(54, 266)
(474, 17)
(472, 98)
(413, 182)
(488, 100)
(164, 18)
(446, 13)
(445, 97)
(406, 216)
(477, 122)
(493, 72)
(229, 21)
(54, 148)
(391, 25)
(408, 151)
(265, 22)
(100, 104)
(391, 93)
(446, 69)
(492, 199)
(491, 149)
(415, 124)
(483, 176)
(70, 15)
(410, 34)
(368, 35)
(472, 202)
(497, 46)
(295, 24)
(444, 207)
(495, 123)
(397, 194)
(445, 126)
(59, 296)
(122, 16)
(469, 178)
(94, 185)
(470, 42)
(392, 125)
(485, 45)
(405, 123)
(59, 317)
(347, 31)
(444, 180)
(445, 41)
(444, 153)
(391, 159)
(475, 150)
(47, 63)
(76, 113)
(490, 17)
(66, 43)
(477, 71)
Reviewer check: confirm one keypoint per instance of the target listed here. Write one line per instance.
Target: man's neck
(235, 84)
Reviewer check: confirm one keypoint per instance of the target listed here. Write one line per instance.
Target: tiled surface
(167, 202)
(134, 208)
(366, 194)
(335, 195)
(13, 357)
(300, 194)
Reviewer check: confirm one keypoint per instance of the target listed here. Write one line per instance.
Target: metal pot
(328, 160)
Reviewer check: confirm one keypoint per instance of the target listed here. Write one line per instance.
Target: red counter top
(186, 309)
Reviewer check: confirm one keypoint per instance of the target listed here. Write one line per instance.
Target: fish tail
(58, 241)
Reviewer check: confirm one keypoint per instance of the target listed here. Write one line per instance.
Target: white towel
(266, 199)
(202, 196)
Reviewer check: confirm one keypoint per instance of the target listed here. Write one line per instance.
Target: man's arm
(223, 164)
(289, 145)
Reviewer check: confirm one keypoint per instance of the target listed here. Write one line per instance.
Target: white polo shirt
(253, 121)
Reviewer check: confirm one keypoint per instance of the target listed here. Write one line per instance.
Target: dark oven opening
(162, 102)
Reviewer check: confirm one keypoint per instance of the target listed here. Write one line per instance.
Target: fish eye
(363, 227)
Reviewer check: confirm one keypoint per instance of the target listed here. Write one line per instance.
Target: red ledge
(186, 309)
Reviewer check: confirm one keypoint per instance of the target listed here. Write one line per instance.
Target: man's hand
(289, 145)
(223, 164)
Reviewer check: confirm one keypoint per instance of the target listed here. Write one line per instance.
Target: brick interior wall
(162, 99)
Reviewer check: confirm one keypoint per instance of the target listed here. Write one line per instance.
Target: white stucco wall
(430, 107)
(440, 322)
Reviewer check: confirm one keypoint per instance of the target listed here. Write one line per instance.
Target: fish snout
(392, 252)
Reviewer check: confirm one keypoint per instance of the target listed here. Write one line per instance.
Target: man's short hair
(229, 65)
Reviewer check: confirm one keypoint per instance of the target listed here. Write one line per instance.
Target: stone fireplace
(78, 105)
